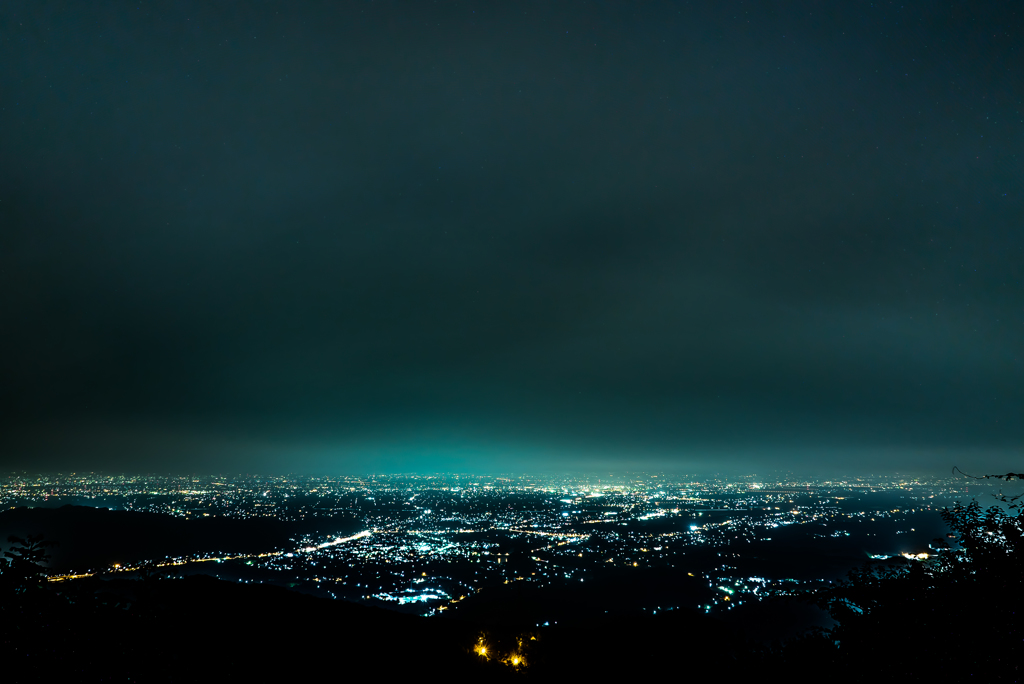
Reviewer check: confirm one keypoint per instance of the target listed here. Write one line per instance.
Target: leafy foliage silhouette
(1008, 477)
(23, 571)
(958, 613)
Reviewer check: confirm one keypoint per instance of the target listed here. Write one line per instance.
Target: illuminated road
(339, 540)
(244, 556)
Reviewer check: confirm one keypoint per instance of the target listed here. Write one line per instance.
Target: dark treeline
(955, 616)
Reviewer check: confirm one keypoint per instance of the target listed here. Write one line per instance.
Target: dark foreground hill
(202, 629)
(199, 629)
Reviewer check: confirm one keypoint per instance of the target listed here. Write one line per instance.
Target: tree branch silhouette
(1008, 477)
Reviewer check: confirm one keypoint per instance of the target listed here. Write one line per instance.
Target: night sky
(507, 237)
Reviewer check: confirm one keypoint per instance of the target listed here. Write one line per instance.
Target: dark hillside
(202, 629)
(98, 537)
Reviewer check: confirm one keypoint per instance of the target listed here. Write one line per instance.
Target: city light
(375, 546)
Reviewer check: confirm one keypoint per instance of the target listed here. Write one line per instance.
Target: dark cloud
(382, 236)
